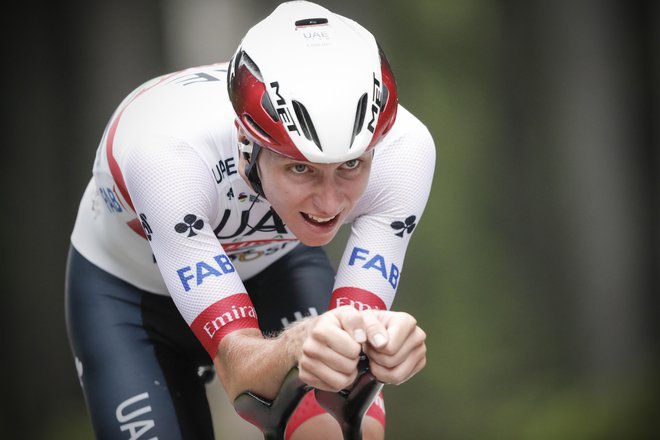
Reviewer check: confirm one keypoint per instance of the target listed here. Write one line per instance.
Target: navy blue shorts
(142, 369)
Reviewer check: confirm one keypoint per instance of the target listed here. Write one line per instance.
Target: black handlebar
(347, 406)
(271, 417)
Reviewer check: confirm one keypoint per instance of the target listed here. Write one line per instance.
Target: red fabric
(359, 298)
(309, 408)
(232, 313)
(377, 409)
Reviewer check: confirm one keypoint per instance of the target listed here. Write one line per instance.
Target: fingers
(341, 331)
(331, 351)
(405, 352)
(319, 375)
(393, 342)
(377, 334)
(400, 326)
(400, 369)
(352, 322)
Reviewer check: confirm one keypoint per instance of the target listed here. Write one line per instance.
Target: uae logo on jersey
(404, 226)
(189, 224)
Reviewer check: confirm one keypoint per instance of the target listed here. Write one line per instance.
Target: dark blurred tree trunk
(582, 80)
(67, 64)
(647, 15)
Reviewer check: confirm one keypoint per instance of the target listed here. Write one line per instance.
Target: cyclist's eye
(351, 164)
(299, 168)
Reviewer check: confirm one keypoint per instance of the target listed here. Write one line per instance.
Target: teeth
(320, 219)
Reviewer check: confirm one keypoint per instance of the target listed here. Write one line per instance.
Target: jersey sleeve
(173, 193)
(386, 217)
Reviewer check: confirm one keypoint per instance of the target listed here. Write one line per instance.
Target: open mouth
(320, 221)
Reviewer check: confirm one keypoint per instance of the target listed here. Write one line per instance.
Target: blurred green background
(534, 270)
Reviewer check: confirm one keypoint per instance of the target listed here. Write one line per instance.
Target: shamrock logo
(189, 224)
(405, 226)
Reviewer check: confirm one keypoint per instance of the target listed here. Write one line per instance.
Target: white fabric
(175, 147)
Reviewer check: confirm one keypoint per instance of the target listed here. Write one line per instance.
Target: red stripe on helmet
(246, 92)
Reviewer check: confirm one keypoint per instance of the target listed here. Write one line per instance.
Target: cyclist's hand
(403, 355)
(331, 349)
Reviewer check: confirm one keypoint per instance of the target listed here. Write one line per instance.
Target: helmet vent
(383, 98)
(256, 127)
(306, 123)
(268, 106)
(311, 22)
(251, 65)
(359, 116)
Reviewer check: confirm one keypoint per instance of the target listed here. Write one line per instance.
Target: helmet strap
(251, 154)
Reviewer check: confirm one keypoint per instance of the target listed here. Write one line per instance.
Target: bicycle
(347, 406)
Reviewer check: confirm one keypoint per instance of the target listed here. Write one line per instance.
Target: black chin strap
(251, 170)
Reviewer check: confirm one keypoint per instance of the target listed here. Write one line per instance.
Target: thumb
(352, 322)
(377, 334)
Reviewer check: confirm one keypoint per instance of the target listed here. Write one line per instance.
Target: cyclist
(198, 239)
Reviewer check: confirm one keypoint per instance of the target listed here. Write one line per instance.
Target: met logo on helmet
(282, 109)
(376, 97)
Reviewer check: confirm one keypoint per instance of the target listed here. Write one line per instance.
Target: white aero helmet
(312, 85)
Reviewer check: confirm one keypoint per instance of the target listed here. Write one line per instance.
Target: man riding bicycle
(198, 239)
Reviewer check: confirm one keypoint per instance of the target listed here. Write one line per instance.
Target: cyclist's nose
(328, 195)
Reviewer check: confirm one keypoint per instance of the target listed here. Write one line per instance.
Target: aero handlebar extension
(346, 406)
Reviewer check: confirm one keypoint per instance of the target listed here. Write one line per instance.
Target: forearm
(326, 349)
(246, 361)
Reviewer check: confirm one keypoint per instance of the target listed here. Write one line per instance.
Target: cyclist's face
(313, 199)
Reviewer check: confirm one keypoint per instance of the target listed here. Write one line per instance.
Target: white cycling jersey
(167, 211)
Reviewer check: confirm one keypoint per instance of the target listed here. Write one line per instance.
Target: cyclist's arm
(385, 219)
(245, 360)
(326, 348)
(169, 181)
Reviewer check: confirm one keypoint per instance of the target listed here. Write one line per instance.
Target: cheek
(281, 196)
(279, 189)
(359, 188)
(281, 203)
